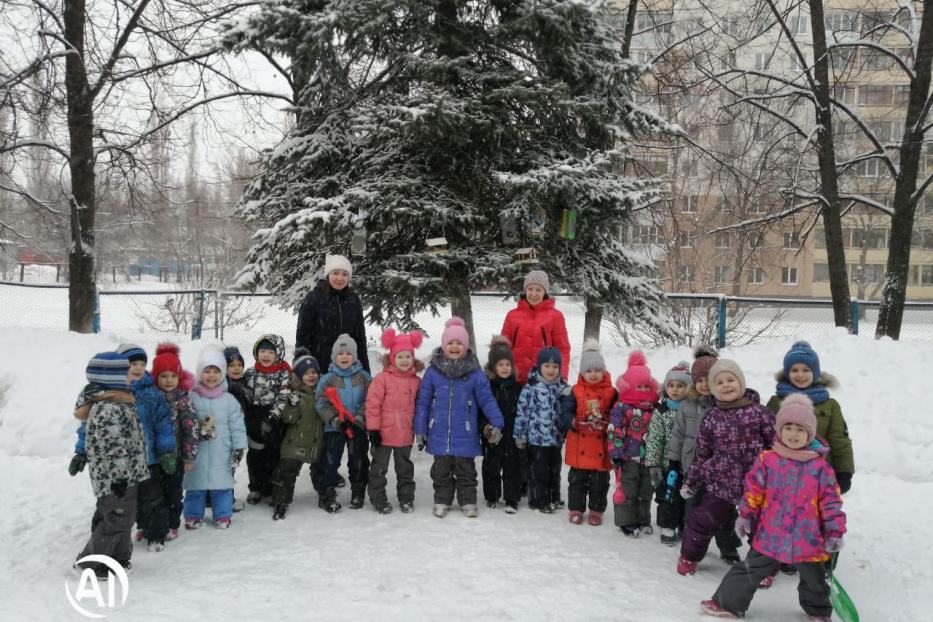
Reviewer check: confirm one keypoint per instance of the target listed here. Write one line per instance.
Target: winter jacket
(237, 389)
(351, 384)
(390, 406)
(450, 397)
(155, 416)
(187, 428)
(795, 506)
(727, 445)
(114, 445)
(506, 391)
(628, 426)
(214, 466)
(545, 411)
(269, 388)
(304, 431)
(325, 314)
(586, 444)
(682, 447)
(660, 430)
(830, 424)
(532, 328)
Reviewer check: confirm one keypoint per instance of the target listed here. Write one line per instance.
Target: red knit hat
(166, 359)
(637, 374)
(400, 342)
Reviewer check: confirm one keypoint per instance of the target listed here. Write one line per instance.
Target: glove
(744, 527)
(521, 443)
(375, 438)
(422, 441)
(344, 426)
(845, 481)
(618, 462)
(235, 456)
(294, 398)
(686, 492)
(833, 545)
(77, 464)
(118, 487)
(168, 464)
(657, 476)
(492, 434)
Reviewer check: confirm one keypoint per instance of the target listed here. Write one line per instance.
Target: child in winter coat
(341, 403)
(792, 509)
(236, 367)
(175, 382)
(732, 434)
(303, 439)
(587, 453)
(628, 425)
(266, 388)
(116, 455)
(451, 394)
(502, 461)
(155, 416)
(390, 416)
(223, 441)
(545, 413)
(670, 503)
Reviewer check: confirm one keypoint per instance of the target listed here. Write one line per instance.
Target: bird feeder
(526, 255)
(436, 246)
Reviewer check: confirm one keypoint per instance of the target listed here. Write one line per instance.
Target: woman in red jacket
(536, 324)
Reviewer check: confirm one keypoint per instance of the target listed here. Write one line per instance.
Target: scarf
(210, 394)
(800, 455)
(739, 403)
(454, 368)
(816, 392)
(274, 368)
(673, 405)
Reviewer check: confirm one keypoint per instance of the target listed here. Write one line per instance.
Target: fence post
(198, 322)
(721, 304)
(95, 316)
(854, 313)
(216, 313)
(222, 301)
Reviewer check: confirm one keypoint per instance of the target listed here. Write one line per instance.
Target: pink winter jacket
(390, 406)
(795, 505)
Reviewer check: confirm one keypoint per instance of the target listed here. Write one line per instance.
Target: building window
(791, 240)
(689, 204)
(926, 275)
(687, 274)
(788, 275)
(840, 20)
(654, 21)
(872, 273)
(901, 94)
(820, 273)
(723, 239)
(875, 95)
(874, 60)
(647, 234)
(684, 239)
(795, 63)
(762, 61)
(755, 275)
(722, 274)
(799, 24)
(868, 168)
(844, 94)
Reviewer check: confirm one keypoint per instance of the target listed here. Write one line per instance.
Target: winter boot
(730, 557)
(238, 505)
(493, 505)
(254, 497)
(685, 566)
(668, 537)
(630, 531)
(712, 608)
(385, 508)
(328, 501)
(172, 534)
(766, 583)
(155, 546)
(279, 512)
(548, 508)
(559, 504)
(595, 519)
(511, 508)
(646, 530)
(440, 510)
(357, 496)
(341, 481)
(576, 517)
(193, 523)
(469, 510)
(222, 523)
(407, 507)
(140, 535)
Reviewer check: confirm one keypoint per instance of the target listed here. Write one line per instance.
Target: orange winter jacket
(586, 442)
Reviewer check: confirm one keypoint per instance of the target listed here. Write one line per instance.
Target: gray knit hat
(537, 277)
(723, 365)
(590, 357)
(344, 343)
(679, 373)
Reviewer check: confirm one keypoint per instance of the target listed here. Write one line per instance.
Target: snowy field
(358, 565)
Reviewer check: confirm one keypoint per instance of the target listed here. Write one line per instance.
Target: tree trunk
(82, 289)
(891, 313)
(462, 306)
(592, 319)
(826, 154)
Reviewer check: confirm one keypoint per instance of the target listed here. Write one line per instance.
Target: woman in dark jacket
(329, 310)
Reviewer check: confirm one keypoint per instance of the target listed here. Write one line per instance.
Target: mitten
(168, 464)
(235, 456)
(845, 481)
(118, 487)
(833, 545)
(492, 434)
(422, 441)
(521, 443)
(657, 476)
(375, 438)
(344, 426)
(686, 492)
(77, 464)
(744, 527)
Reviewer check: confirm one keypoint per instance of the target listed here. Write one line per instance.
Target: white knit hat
(211, 356)
(337, 262)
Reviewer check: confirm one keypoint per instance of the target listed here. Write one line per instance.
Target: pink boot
(140, 535)
(576, 517)
(172, 534)
(595, 519)
(766, 582)
(685, 566)
(712, 608)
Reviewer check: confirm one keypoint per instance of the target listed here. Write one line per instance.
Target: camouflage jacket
(115, 446)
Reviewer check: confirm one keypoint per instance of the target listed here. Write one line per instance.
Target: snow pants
(726, 538)
(283, 483)
(671, 506)
(221, 503)
(262, 457)
(545, 476)
(502, 471)
(586, 483)
(358, 454)
(635, 511)
(705, 520)
(112, 526)
(451, 473)
(152, 512)
(738, 587)
(404, 475)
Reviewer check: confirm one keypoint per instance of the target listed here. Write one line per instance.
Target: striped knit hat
(108, 369)
(133, 352)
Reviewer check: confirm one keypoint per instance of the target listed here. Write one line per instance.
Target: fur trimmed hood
(826, 379)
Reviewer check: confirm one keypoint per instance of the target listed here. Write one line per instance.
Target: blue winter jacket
(351, 384)
(214, 465)
(155, 417)
(545, 411)
(450, 396)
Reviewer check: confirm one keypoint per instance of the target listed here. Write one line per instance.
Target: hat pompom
(388, 337)
(705, 350)
(637, 358)
(167, 348)
(186, 380)
(591, 345)
(801, 344)
(454, 321)
(797, 399)
(416, 338)
(500, 340)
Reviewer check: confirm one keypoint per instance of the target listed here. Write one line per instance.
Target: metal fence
(238, 317)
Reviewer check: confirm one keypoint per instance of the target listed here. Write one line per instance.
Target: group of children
(164, 444)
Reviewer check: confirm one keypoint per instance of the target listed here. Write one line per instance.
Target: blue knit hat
(108, 369)
(801, 352)
(232, 353)
(549, 355)
(303, 361)
(132, 352)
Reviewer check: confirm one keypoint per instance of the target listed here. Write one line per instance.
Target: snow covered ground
(358, 564)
